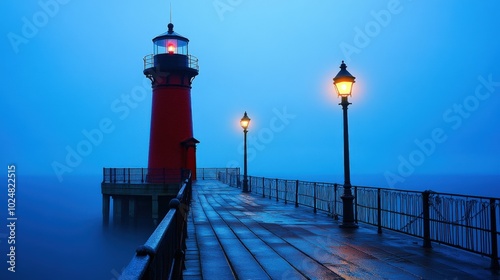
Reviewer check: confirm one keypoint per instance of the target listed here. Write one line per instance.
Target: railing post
(124, 173)
(142, 175)
(104, 175)
(263, 187)
(286, 189)
(297, 193)
(129, 175)
(277, 189)
(494, 236)
(250, 185)
(270, 188)
(335, 215)
(203, 172)
(426, 219)
(179, 238)
(314, 197)
(379, 211)
(114, 175)
(355, 204)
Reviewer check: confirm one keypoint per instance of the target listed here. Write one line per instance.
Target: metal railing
(212, 173)
(466, 222)
(191, 59)
(163, 254)
(143, 175)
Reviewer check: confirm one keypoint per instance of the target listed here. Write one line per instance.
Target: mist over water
(476, 185)
(59, 232)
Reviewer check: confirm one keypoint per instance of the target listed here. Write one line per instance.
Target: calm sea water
(59, 232)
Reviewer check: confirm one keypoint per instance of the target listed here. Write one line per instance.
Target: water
(59, 233)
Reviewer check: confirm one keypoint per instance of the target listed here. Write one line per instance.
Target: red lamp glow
(171, 48)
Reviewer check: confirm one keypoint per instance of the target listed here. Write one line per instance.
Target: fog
(59, 232)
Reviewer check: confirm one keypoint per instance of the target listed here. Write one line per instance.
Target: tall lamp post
(343, 84)
(245, 121)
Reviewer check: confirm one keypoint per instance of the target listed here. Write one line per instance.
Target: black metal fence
(163, 254)
(143, 175)
(212, 173)
(466, 222)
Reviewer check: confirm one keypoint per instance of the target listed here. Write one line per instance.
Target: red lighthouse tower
(171, 70)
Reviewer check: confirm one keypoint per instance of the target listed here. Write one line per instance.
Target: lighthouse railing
(149, 62)
(193, 62)
(133, 176)
(162, 256)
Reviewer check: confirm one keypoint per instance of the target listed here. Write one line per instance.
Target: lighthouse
(171, 70)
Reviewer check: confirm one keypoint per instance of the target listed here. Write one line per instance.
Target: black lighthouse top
(170, 42)
(170, 54)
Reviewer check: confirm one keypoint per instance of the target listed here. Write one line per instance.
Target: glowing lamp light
(171, 48)
(343, 81)
(245, 121)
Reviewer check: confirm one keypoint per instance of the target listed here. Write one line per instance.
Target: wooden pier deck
(235, 235)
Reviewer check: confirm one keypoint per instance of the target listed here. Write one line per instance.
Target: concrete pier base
(136, 203)
(117, 209)
(105, 209)
(131, 208)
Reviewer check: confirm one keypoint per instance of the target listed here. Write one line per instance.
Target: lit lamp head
(245, 121)
(343, 81)
(171, 48)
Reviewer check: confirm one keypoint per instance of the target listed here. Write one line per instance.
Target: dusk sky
(425, 100)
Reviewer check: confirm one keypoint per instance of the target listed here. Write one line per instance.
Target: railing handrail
(371, 187)
(162, 256)
(471, 225)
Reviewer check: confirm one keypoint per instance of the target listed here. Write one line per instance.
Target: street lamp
(245, 122)
(343, 84)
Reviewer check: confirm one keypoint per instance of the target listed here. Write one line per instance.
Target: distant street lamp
(343, 84)
(245, 122)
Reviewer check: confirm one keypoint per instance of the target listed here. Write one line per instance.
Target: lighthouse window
(182, 47)
(171, 46)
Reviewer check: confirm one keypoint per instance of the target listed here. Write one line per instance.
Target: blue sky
(426, 96)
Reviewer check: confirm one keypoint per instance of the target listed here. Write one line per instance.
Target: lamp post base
(245, 186)
(348, 212)
(350, 225)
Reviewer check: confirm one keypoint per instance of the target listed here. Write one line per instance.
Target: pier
(265, 234)
(245, 236)
(135, 189)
